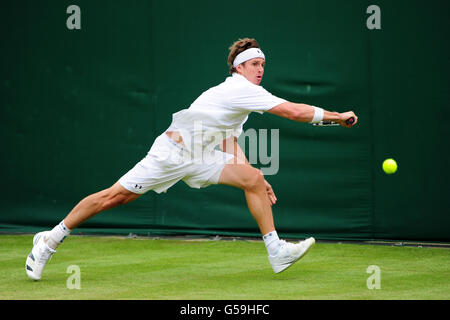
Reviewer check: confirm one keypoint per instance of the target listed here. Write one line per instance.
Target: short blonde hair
(237, 47)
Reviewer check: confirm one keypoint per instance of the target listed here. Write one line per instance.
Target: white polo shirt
(220, 112)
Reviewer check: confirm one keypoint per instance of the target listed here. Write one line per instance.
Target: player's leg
(106, 199)
(251, 181)
(46, 242)
(149, 174)
(282, 254)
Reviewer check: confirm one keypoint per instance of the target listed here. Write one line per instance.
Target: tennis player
(187, 151)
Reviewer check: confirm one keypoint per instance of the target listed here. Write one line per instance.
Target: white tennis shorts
(168, 162)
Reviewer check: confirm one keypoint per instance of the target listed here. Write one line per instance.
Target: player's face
(252, 70)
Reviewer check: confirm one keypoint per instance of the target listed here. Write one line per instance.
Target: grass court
(174, 269)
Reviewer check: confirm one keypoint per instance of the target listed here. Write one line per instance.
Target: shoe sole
(30, 257)
(301, 256)
(29, 269)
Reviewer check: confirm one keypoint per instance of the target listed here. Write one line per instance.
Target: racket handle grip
(350, 121)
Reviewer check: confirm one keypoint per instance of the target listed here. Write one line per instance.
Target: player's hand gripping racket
(350, 121)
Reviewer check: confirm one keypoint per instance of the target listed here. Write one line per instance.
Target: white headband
(247, 55)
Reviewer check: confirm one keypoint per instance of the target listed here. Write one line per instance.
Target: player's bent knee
(254, 181)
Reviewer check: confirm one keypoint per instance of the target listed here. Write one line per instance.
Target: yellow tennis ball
(389, 166)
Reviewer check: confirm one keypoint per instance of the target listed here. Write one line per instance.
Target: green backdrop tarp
(80, 107)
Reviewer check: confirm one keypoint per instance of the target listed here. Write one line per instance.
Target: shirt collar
(238, 76)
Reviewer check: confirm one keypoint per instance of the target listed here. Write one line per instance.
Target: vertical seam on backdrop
(371, 129)
(154, 100)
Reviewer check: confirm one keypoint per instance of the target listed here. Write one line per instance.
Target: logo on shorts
(137, 187)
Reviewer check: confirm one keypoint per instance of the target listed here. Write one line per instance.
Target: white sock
(57, 235)
(272, 243)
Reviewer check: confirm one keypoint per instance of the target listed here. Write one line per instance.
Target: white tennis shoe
(39, 256)
(290, 253)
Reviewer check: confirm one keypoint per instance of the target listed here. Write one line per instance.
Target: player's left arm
(231, 146)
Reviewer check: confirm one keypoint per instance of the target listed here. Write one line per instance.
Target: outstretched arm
(305, 113)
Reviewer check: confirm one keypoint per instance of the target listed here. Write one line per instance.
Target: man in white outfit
(187, 151)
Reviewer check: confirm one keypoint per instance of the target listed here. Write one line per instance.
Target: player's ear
(239, 68)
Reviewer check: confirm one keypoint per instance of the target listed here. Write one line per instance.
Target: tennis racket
(328, 123)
